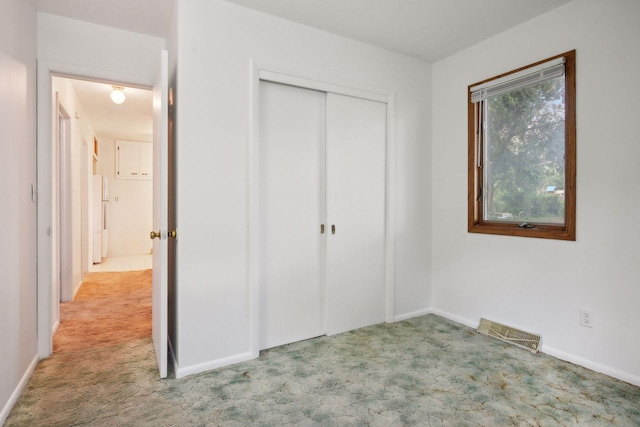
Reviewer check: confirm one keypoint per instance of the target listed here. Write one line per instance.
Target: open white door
(160, 213)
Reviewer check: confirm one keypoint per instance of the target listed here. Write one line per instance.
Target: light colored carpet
(425, 371)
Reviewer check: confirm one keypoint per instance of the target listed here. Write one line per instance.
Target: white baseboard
(219, 363)
(559, 354)
(213, 364)
(76, 288)
(603, 369)
(18, 391)
(405, 316)
(455, 318)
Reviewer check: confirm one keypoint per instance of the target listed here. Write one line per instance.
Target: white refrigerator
(100, 217)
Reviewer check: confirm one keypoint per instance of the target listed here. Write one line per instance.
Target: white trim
(455, 318)
(291, 74)
(287, 74)
(213, 364)
(390, 217)
(94, 74)
(45, 107)
(18, 391)
(44, 209)
(65, 226)
(411, 315)
(254, 212)
(559, 354)
(322, 86)
(594, 366)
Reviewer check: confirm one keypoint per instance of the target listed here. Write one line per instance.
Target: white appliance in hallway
(100, 217)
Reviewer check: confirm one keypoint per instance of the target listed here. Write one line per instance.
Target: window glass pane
(524, 152)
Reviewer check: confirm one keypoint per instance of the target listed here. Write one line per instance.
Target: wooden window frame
(567, 231)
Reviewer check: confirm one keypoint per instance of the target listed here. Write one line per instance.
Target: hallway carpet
(426, 371)
(109, 308)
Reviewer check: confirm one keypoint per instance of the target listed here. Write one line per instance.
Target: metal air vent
(508, 334)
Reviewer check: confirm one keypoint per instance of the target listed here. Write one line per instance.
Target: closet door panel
(356, 181)
(291, 262)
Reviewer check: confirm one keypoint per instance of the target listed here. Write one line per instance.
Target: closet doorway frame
(284, 74)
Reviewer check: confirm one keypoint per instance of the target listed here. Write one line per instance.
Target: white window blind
(536, 74)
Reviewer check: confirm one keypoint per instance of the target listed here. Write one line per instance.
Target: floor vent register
(508, 334)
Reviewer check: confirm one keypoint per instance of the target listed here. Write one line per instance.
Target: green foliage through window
(522, 151)
(524, 154)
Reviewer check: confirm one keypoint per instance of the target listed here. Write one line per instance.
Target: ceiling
(131, 120)
(426, 29)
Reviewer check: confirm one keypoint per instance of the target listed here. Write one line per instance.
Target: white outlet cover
(587, 318)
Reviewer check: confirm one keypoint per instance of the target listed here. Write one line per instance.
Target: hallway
(109, 309)
(123, 263)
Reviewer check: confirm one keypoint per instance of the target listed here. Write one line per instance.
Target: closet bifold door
(356, 137)
(291, 204)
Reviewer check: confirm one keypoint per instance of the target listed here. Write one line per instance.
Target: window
(522, 151)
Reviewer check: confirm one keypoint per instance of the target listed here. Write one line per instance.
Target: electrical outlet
(586, 318)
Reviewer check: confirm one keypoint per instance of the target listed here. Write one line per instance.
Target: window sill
(511, 229)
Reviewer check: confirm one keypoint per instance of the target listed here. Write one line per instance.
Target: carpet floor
(109, 308)
(426, 371)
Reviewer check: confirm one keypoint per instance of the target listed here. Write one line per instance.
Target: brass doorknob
(172, 234)
(153, 235)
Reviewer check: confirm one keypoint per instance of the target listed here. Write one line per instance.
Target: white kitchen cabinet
(134, 160)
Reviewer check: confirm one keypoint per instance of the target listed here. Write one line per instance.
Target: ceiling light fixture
(117, 94)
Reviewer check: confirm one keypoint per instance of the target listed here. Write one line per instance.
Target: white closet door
(356, 166)
(291, 162)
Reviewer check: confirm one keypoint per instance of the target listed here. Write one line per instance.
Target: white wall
(18, 315)
(540, 285)
(131, 207)
(100, 51)
(215, 44)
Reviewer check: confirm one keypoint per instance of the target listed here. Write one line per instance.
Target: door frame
(64, 232)
(84, 207)
(46, 107)
(286, 74)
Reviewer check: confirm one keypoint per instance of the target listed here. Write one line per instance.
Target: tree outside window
(522, 151)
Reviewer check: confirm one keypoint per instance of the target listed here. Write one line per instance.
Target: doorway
(46, 120)
(80, 150)
(108, 214)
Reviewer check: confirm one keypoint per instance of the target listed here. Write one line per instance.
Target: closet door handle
(333, 229)
(321, 228)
